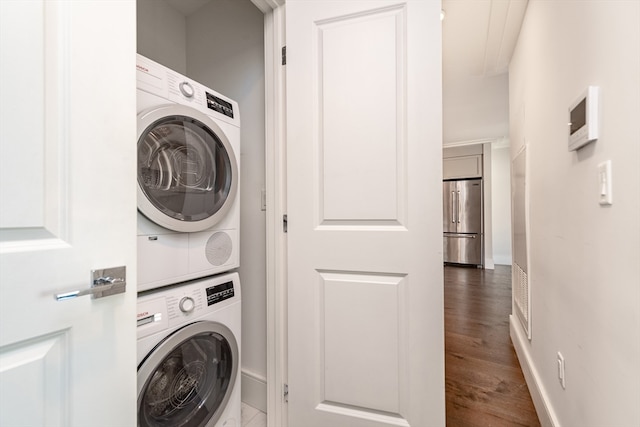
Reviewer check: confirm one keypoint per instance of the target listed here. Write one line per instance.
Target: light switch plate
(561, 370)
(605, 185)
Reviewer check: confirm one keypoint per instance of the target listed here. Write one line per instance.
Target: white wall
(501, 202)
(475, 109)
(225, 51)
(162, 34)
(584, 259)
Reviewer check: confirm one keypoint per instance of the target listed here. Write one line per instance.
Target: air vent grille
(521, 295)
(219, 248)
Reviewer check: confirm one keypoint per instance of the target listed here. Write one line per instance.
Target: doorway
(221, 45)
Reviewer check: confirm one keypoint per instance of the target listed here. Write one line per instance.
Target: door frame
(275, 185)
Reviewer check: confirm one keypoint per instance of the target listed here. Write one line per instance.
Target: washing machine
(188, 178)
(189, 354)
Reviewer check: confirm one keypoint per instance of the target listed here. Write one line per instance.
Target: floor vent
(521, 295)
(520, 280)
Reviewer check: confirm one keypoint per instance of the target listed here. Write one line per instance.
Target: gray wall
(584, 258)
(162, 34)
(225, 50)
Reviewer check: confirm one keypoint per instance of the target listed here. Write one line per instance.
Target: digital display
(583, 118)
(219, 105)
(578, 116)
(218, 293)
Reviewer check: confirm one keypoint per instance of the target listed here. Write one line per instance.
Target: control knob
(187, 305)
(186, 89)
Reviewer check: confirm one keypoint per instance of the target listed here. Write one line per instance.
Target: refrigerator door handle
(453, 207)
(462, 236)
(458, 207)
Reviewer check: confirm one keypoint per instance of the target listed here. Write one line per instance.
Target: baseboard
(254, 390)
(502, 259)
(538, 393)
(488, 264)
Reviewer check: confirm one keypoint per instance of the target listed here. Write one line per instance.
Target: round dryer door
(188, 378)
(187, 170)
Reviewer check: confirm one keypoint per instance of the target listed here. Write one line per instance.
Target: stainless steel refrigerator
(462, 221)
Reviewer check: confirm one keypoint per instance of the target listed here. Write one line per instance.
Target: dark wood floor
(484, 381)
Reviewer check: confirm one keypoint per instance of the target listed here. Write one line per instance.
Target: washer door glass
(191, 384)
(184, 169)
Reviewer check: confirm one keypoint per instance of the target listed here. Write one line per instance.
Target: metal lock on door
(104, 283)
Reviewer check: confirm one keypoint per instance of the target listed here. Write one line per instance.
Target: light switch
(561, 371)
(604, 183)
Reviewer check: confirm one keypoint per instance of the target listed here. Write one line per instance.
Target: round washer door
(187, 170)
(188, 378)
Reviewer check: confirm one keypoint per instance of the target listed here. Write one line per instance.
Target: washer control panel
(221, 292)
(186, 302)
(151, 316)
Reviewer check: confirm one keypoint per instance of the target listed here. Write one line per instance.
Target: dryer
(188, 178)
(189, 354)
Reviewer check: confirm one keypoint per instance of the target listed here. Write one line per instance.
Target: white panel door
(68, 206)
(364, 213)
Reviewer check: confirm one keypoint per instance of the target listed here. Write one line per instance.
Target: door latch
(104, 283)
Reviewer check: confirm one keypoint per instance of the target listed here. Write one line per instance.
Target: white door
(366, 345)
(68, 206)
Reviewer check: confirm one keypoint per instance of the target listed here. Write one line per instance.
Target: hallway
(484, 382)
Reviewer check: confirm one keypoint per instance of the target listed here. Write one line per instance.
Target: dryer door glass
(184, 169)
(189, 386)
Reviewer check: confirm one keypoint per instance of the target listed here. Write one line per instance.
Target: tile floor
(252, 417)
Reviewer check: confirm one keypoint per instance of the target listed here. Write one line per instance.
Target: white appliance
(188, 178)
(189, 354)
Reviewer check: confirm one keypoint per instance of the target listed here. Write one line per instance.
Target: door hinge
(285, 392)
(284, 55)
(285, 223)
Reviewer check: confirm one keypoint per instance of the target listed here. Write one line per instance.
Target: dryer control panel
(161, 81)
(218, 293)
(220, 105)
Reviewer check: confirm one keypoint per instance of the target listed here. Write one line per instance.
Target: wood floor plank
(484, 382)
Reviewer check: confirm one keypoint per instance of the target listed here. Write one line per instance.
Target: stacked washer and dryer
(189, 304)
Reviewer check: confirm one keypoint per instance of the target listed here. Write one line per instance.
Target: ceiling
(478, 36)
(478, 39)
(187, 7)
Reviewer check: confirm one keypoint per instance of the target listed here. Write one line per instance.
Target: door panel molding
(35, 133)
(346, 137)
(375, 327)
(41, 366)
